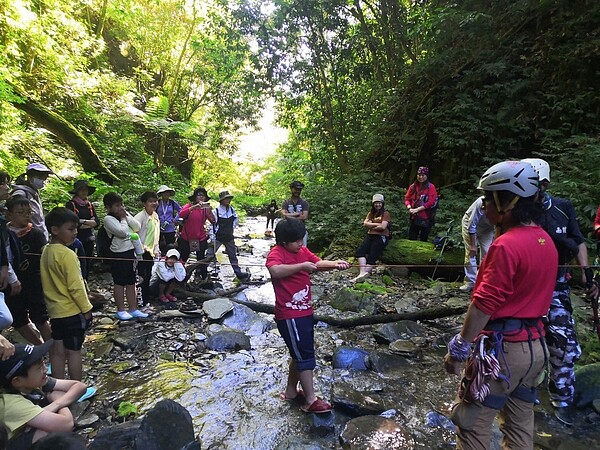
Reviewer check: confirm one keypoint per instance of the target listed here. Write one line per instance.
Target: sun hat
(377, 198)
(423, 170)
(297, 185)
(199, 190)
(25, 355)
(173, 252)
(164, 188)
(81, 184)
(224, 194)
(37, 167)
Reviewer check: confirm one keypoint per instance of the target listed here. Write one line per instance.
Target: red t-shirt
(516, 278)
(292, 294)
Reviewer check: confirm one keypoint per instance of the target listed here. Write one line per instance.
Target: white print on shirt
(560, 230)
(299, 300)
(294, 208)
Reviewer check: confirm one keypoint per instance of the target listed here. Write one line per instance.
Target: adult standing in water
(29, 185)
(421, 200)
(512, 294)
(88, 219)
(167, 211)
(560, 221)
(296, 207)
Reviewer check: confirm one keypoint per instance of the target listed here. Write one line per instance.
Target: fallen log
(202, 297)
(425, 314)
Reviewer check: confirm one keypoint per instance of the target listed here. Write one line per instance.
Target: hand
(472, 252)
(15, 288)
(309, 267)
(592, 291)
(413, 210)
(7, 349)
(451, 365)
(342, 265)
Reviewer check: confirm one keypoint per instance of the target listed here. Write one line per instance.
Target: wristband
(458, 348)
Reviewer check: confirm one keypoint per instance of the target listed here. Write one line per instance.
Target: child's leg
(161, 288)
(131, 297)
(306, 381)
(45, 330)
(119, 295)
(74, 364)
(58, 359)
(169, 287)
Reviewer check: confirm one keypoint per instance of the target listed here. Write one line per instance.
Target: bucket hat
(81, 184)
(224, 194)
(199, 190)
(37, 167)
(377, 198)
(164, 188)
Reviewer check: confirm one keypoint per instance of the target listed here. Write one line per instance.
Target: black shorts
(371, 248)
(123, 270)
(23, 441)
(70, 330)
(299, 336)
(28, 305)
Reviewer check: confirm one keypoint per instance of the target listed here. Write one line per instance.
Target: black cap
(297, 185)
(25, 355)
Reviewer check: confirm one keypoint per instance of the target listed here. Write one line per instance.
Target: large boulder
(403, 329)
(374, 432)
(348, 299)
(405, 252)
(587, 384)
(228, 340)
(244, 319)
(350, 358)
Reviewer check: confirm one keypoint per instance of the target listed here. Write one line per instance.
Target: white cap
(377, 198)
(173, 252)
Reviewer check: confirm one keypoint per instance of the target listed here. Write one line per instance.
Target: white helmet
(517, 177)
(540, 166)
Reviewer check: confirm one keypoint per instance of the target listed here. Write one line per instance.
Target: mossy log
(422, 257)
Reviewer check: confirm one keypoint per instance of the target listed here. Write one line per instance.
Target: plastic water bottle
(137, 245)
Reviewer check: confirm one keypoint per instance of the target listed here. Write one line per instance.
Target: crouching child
(290, 264)
(166, 273)
(33, 404)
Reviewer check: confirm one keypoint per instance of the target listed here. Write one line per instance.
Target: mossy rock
(405, 252)
(348, 299)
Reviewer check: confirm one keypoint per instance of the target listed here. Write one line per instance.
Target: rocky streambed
(226, 364)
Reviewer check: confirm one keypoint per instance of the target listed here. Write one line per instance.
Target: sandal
(299, 398)
(318, 407)
(163, 299)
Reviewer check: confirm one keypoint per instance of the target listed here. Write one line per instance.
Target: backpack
(103, 243)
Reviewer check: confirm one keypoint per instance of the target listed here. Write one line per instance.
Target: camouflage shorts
(563, 348)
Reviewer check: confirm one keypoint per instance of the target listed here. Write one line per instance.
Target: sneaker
(123, 315)
(138, 314)
(564, 415)
(318, 407)
(171, 298)
(467, 287)
(242, 276)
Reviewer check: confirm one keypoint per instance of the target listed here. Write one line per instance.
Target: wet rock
(405, 348)
(129, 339)
(87, 421)
(102, 349)
(166, 426)
(387, 363)
(244, 319)
(438, 290)
(348, 299)
(295, 443)
(587, 384)
(105, 321)
(124, 367)
(215, 328)
(357, 403)
(596, 406)
(374, 432)
(322, 424)
(228, 340)
(435, 419)
(403, 329)
(350, 358)
(217, 308)
(116, 437)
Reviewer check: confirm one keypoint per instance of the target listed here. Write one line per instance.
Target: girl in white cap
(377, 237)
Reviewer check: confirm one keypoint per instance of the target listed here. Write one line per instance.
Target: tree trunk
(67, 133)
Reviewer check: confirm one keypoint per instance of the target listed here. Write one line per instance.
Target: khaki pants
(474, 421)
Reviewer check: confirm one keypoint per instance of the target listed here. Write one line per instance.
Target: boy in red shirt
(290, 265)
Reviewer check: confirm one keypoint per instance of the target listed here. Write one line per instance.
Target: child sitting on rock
(165, 273)
(32, 404)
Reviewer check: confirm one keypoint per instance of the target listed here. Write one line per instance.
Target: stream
(233, 397)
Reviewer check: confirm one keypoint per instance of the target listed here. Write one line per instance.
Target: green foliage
(127, 409)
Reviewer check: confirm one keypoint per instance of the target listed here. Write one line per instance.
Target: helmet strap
(508, 207)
